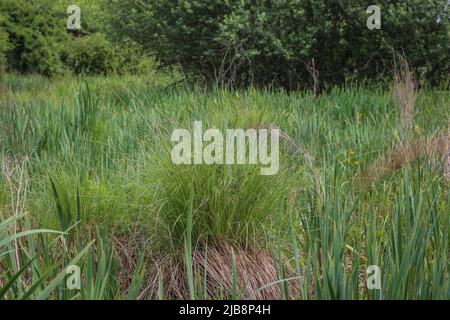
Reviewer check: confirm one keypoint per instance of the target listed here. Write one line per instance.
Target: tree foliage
(284, 42)
(34, 39)
(34, 36)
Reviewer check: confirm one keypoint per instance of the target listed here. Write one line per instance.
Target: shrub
(4, 45)
(91, 54)
(96, 54)
(34, 39)
(275, 42)
(36, 36)
(133, 58)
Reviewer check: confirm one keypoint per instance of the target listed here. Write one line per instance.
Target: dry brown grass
(255, 269)
(431, 147)
(404, 93)
(15, 172)
(127, 247)
(447, 160)
(447, 155)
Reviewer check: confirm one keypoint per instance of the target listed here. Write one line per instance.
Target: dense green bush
(4, 45)
(272, 42)
(91, 54)
(36, 35)
(34, 39)
(95, 54)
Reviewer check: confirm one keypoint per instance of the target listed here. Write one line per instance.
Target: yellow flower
(417, 129)
(358, 115)
(351, 154)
